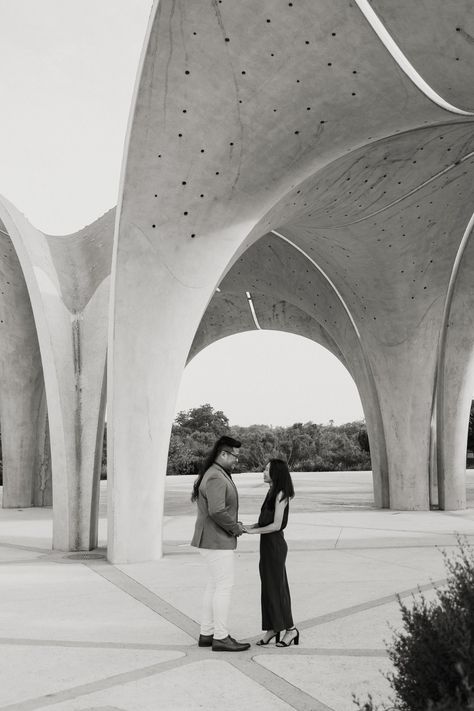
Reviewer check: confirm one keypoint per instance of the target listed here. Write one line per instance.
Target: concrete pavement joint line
(144, 595)
(338, 537)
(279, 687)
(147, 647)
(326, 652)
(31, 549)
(95, 686)
(80, 644)
(394, 564)
(308, 545)
(364, 606)
(439, 532)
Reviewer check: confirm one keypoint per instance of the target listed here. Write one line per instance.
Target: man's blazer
(218, 504)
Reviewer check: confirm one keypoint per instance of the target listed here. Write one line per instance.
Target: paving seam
(364, 606)
(308, 545)
(31, 549)
(326, 652)
(81, 644)
(383, 528)
(393, 564)
(142, 594)
(266, 679)
(146, 647)
(95, 686)
(279, 687)
(145, 596)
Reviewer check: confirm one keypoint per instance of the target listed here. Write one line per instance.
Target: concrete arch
(290, 293)
(67, 283)
(248, 119)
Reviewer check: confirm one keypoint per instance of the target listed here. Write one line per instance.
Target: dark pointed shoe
(205, 640)
(229, 644)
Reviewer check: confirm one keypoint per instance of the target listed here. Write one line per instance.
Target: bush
(433, 654)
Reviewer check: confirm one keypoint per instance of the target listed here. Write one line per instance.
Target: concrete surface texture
(81, 634)
(303, 166)
(325, 130)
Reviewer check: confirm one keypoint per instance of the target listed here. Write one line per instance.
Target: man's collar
(223, 469)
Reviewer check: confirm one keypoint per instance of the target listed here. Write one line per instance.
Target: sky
(67, 72)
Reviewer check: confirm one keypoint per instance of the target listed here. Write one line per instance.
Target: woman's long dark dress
(276, 601)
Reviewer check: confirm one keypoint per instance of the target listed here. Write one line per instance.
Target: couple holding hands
(215, 536)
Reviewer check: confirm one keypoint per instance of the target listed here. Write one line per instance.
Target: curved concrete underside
(315, 156)
(298, 119)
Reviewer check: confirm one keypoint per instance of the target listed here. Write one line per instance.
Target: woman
(276, 601)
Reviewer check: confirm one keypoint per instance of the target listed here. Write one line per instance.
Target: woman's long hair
(210, 458)
(281, 481)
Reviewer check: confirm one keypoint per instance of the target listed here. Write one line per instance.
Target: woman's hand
(250, 528)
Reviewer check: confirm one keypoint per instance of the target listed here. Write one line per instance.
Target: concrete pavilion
(304, 166)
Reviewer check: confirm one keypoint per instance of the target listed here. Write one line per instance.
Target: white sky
(67, 70)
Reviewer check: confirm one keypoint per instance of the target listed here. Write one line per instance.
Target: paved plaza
(80, 634)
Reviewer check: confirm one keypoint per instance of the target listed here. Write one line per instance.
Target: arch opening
(282, 394)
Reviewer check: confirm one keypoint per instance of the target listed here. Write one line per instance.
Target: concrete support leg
(76, 492)
(153, 327)
(456, 383)
(404, 374)
(22, 410)
(452, 426)
(376, 434)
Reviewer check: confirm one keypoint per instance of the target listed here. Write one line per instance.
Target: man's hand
(240, 530)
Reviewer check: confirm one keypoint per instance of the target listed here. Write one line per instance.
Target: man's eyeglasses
(234, 455)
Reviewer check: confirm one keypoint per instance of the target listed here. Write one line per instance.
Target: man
(215, 536)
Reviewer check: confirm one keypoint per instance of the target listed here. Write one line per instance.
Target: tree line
(306, 446)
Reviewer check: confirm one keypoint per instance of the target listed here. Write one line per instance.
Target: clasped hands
(247, 528)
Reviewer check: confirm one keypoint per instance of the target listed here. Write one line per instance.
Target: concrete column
(159, 302)
(456, 380)
(69, 304)
(405, 377)
(21, 382)
(89, 415)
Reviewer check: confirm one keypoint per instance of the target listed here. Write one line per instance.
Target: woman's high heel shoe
(262, 643)
(294, 640)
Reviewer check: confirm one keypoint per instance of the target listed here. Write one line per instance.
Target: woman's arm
(280, 504)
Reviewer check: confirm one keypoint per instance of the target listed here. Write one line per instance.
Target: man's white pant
(216, 601)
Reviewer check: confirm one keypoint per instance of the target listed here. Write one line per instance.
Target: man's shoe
(229, 644)
(205, 640)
